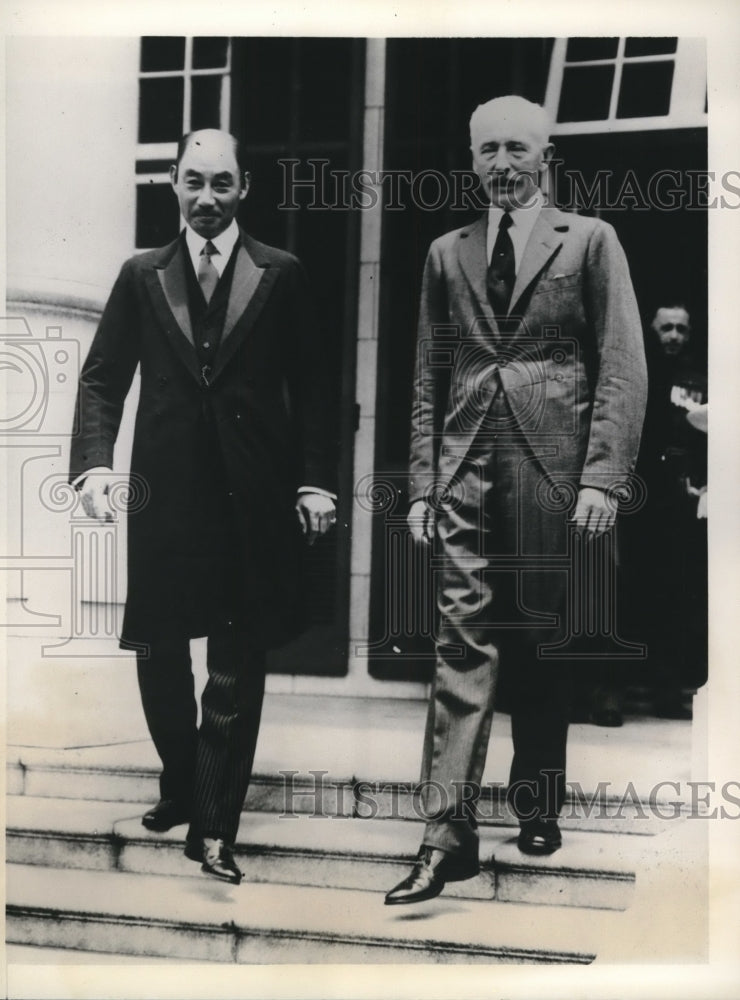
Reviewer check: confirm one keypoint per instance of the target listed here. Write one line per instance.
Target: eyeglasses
(678, 327)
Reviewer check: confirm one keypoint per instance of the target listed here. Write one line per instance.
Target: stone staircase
(319, 850)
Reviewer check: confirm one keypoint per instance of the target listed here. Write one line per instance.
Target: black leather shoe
(671, 708)
(541, 836)
(433, 869)
(216, 856)
(166, 814)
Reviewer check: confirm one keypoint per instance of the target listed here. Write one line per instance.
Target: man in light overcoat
(529, 395)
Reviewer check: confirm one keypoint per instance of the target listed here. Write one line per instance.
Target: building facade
(359, 157)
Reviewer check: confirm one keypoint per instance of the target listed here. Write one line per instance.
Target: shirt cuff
(317, 489)
(88, 472)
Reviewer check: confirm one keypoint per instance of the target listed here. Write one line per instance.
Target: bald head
(509, 140)
(212, 138)
(512, 113)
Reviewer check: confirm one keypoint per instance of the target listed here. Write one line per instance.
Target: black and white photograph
(368, 619)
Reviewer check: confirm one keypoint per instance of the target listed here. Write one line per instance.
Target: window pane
(649, 46)
(209, 53)
(582, 49)
(206, 103)
(586, 94)
(160, 109)
(158, 54)
(645, 89)
(157, 215)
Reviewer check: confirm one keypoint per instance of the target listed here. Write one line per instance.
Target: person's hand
(419, 520)
(93, 492)
(702, 505)
(701, 499)
(594, 512)
(317, 513)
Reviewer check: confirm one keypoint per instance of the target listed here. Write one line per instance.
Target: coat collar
(253, 278)
(544, 241)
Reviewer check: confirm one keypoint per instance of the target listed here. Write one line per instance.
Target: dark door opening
(301, 100)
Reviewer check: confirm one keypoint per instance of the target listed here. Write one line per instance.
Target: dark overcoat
(213, 535)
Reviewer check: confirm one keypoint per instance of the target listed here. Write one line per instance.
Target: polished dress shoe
(433, 869)
(541, 836)
(216, 857)
(166, 814)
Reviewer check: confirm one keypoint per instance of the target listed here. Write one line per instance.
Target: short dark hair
(239, 152)
(671, 302)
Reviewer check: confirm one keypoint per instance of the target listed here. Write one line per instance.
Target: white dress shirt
(224, 243)
(522, 224)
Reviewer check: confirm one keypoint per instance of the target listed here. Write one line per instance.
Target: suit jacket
(571, 361)
(219, 464)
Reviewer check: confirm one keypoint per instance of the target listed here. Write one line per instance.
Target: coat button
(163, 380)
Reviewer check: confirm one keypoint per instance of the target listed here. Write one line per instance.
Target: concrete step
(130, 773)
(591, 869)
(35, 955)
(196, 917)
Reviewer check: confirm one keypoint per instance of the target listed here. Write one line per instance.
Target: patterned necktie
(207, 273)
(501, 270)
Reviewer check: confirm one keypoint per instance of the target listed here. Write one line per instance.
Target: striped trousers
(206, 768)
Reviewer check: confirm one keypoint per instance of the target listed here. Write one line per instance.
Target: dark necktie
(501, 270)
(207, 273)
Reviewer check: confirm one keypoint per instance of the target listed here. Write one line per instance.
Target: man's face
(673, 330)
(508, 156)
(207, 183)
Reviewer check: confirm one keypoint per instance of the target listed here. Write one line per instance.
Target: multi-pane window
(184, 84)
(626, 84)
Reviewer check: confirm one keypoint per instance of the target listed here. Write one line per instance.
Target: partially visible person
(664, 545)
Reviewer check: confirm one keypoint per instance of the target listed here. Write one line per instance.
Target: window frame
(688, 89)
(152, 151)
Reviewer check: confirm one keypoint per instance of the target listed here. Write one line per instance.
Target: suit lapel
(542, 244)
(253, 279)
(250, 286)
(168, 289)
(247, 277)
(474, 264)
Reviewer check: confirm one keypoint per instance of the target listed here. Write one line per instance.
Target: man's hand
(702, 502)
(317, 513)
(595, 511)
(93, 492)
(419, 520)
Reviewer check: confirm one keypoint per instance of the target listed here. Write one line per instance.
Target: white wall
(71, 145)
(71, 119)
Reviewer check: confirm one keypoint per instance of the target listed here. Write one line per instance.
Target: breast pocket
(558, 282)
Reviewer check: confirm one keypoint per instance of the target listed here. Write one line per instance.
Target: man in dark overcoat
(529, 390)
(231, 464)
